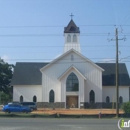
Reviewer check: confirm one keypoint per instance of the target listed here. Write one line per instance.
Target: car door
(17, 108)
(11, 108)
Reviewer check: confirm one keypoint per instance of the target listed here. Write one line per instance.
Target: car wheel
(26, 112)
(7, 111)
(31, 109)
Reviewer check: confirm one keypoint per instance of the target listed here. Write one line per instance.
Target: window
(120, 99)
(92, 96)
(68, 38)
(51, 96)
(21, 98)
(74, 38)
(34, 99)
(72, 57)
(107, 99)
(72, 83)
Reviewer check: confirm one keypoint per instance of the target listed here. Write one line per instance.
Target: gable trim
(72, 67)
(71, 50)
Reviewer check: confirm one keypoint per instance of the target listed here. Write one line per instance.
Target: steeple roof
(71, 28)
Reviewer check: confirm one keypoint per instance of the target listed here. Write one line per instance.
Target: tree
(6, 73)
(126, 107)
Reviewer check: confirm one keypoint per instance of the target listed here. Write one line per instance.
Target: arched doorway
(72, 85)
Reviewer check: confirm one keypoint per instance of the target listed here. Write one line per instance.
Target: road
(57, 124)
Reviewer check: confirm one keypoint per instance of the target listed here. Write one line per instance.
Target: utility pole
(117, 71)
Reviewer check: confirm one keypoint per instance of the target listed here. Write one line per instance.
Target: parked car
(31, 105)
(15, 108)
(14, 103)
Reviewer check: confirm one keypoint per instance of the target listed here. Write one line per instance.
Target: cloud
(5, 58)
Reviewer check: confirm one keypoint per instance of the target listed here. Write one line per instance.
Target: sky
(33, 30)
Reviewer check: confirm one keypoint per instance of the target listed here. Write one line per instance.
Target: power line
(46, 26)
(62, 46)
(56, 46)
(64, 62)
(79, 60)
(53, 35)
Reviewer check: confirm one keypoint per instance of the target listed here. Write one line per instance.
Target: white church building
(71, 80)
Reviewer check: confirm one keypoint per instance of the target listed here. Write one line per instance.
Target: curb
(57, 115)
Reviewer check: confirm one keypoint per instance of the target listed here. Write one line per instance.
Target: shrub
(126, 107)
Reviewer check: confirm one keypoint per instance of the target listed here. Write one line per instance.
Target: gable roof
(71, 28)
(27, 73)
(71, 50)
(72, 67)
(109, 75)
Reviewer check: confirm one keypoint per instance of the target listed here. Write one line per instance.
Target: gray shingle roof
(109, 75)
(27, 73)
(71, 28)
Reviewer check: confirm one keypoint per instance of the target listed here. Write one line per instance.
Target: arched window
(107, 99)
(34, 99)
(21, 98)
(92, 96)
(68, 38)
(74, 38)
(51, 96)
(120, 99)
(72, 57)
(72, 83)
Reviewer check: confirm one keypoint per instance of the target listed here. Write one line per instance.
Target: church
(71, 80)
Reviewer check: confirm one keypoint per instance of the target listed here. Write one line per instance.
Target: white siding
(27, 91)
(80, 93)
(51, 74)
(95, 84)
(72, 44)
(111, 92)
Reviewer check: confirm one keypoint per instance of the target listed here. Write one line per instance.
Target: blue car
(15, 108)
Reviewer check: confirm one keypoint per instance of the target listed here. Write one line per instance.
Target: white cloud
(5, 58)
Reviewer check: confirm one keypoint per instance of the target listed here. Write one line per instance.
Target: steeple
(71, 28)
(71, 34)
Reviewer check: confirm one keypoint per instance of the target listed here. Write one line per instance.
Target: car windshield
(28, 103)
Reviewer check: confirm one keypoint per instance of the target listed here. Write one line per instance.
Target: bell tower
(71, 34)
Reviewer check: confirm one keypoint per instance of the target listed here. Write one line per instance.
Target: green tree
(6, 73)
(126, 107)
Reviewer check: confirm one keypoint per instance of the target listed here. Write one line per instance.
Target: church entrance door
(71, 101)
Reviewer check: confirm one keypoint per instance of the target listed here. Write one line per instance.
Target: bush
(126, 107)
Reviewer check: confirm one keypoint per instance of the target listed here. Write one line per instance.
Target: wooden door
(72, 101)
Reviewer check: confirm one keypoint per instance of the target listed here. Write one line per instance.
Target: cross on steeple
(71, 16)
